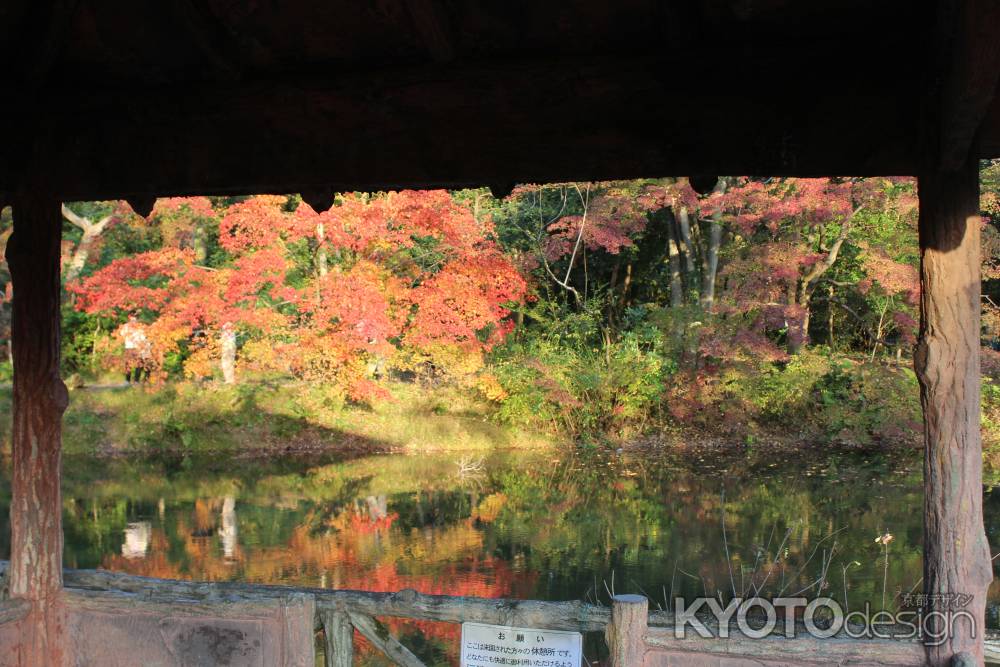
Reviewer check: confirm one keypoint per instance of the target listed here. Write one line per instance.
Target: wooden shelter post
(956, 554)
(626, 633)
(39, 400)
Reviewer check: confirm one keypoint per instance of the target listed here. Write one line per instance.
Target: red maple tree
(410, 279)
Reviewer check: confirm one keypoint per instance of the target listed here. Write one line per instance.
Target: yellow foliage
(261, 355)
(454, 361)
(202, 362)
(489, 508)
(490, 387)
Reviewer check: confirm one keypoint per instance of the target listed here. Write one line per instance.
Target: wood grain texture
(39, 399)
(12, 616)
(379, 636)
(338, 638)
(572, 615)
(160, 628)
(626, 633)
(956, 553)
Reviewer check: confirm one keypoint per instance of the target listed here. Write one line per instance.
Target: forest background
(634, 313)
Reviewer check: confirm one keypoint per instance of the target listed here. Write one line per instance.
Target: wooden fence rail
(573, 615)
(635, 636)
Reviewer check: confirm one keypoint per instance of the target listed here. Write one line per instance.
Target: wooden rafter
(971, 80)
(987, 143)
(466, 125)
(35, 34)
(211, 38)
(431, 23)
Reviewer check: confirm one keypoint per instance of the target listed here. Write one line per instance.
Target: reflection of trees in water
(358, 546)
(630, 520)
(378, 507)
(136, 542)
(228, 532)
(533, 526)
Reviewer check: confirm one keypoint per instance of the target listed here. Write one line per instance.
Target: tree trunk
(800, 293)
(227, 348)
(798, 333)
(91, 232)
(829, 318)
(674, 254)
(199, 243)
(626, 285)
(80, 255)
(684, 224)
(711, 265)
(956, 554)
(39, 399)
(321, 261)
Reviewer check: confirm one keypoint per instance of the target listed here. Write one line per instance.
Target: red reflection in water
(358, 548)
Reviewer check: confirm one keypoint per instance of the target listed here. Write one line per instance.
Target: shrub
(613, 388)
(817, 395)
(869, 403)
(991, 427)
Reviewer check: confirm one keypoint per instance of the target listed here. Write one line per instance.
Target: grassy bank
(819, 399)
(814, 402)
(263, 419)
(636, 391)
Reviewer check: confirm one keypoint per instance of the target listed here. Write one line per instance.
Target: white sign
(499, 645)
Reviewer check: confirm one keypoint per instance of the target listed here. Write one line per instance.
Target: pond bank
(266, 419)
(263, 420)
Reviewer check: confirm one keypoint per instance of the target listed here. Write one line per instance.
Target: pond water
(542, 525)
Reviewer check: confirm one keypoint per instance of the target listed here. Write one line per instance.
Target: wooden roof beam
(210, 36)
(988, 141)
(467, 125)
(431, 22)
(971, 79)
(142, 204)
(320, 199)
(34, 33)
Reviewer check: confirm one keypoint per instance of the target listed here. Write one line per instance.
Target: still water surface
(510, 524)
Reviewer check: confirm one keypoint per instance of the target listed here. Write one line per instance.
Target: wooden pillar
(338, 634)
(40, 398)
(956, 554)
(626, 634)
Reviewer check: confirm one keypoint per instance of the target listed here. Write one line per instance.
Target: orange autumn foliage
(415, 280)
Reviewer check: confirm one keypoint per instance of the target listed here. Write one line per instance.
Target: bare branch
(831, 256)
(77, 220)
(583, 222)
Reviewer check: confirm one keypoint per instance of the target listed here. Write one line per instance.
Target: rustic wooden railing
(635, 636)
(340, 612)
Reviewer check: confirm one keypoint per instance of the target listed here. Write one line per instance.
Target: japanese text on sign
(500, 645)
